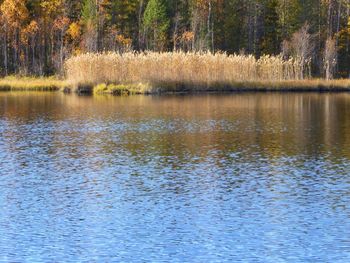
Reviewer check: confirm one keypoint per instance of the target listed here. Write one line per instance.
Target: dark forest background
(36, 36)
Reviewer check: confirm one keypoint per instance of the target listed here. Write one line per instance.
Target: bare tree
(90, 37)
(285, 49)
(330, 58)
(303, 48)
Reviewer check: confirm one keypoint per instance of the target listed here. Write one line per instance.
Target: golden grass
(189, 72)
(294, 85)
(15, 83)
(121, 89)
(177, 67)
(318, 85)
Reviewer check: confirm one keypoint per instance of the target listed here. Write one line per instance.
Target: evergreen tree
(89, 12)
(289, 17)
(271, 41)
(234, 33)
(156, 24)
(90, 22)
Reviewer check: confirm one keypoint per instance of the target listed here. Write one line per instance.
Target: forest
(37, 36)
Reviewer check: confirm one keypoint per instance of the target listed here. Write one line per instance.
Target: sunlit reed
(186, 68)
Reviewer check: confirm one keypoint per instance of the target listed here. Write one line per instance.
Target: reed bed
(188, 69)
(178, 71)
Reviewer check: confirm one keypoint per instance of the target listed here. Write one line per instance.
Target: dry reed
(185, 71)
(179, 67)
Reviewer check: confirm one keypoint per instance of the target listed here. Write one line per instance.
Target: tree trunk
(208, 24)
(140, 30)
(177, 18)
(5, 53)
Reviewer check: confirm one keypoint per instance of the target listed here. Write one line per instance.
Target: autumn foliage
(38, 36)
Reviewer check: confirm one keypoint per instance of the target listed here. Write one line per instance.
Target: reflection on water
(211, 178)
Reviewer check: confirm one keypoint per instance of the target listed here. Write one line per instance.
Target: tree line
(38, 35)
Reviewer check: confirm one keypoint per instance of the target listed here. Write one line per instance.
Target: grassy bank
(14, 83)
(316, 85)
(52, 84)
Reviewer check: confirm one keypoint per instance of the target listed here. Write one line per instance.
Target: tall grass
(182, 68)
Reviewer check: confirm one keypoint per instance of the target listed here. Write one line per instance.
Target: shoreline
(53, 84)
(312, 85)
(43, 84)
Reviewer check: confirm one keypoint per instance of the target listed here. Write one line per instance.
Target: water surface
(210, 178)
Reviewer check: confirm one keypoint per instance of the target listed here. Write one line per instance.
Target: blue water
(230, 178)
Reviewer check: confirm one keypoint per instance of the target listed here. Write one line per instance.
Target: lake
(199, 178)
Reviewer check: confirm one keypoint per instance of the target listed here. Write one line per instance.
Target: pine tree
(234, 32)
(289, 17)
(90, 21)
(89, 12)
(156, 24)
(270, 43)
